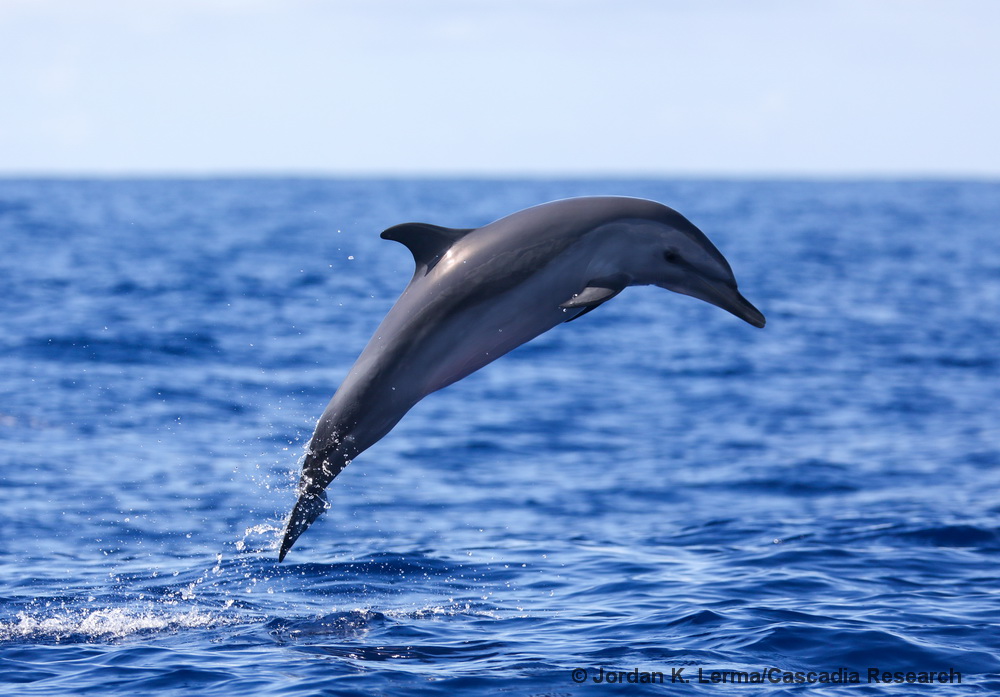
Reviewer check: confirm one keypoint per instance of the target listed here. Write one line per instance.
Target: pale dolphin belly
(421, 347)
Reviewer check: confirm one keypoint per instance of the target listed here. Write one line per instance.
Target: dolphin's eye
(671, 256)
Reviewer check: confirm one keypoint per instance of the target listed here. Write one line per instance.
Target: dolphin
(477, 294)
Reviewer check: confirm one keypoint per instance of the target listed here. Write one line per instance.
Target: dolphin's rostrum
(478, 293)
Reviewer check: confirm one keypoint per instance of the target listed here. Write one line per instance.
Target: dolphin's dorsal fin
(426, 242)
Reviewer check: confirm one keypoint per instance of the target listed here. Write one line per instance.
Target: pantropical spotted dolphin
(478, 293)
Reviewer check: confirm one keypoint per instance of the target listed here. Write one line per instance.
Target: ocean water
(655, 489)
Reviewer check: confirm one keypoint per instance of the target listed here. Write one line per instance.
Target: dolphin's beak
(729, 299)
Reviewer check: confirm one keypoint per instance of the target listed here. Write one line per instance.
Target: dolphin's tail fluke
(307, 509)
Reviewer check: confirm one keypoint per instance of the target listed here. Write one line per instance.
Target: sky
(814, 88)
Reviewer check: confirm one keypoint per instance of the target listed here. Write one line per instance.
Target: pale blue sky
(674, 87)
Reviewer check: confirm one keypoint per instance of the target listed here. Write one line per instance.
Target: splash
(260, 538)
(107, 623)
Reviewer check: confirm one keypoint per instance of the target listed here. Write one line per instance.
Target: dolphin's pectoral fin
(307, 509)
(426, 242)
(597, 292)
(591, 296)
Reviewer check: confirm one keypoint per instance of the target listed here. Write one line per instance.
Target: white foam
(110, 623)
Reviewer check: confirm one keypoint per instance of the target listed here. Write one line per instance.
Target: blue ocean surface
(657, 489)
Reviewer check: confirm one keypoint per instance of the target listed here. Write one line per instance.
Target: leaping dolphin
(478, 293)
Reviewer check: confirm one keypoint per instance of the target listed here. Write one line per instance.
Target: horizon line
(459, 175)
